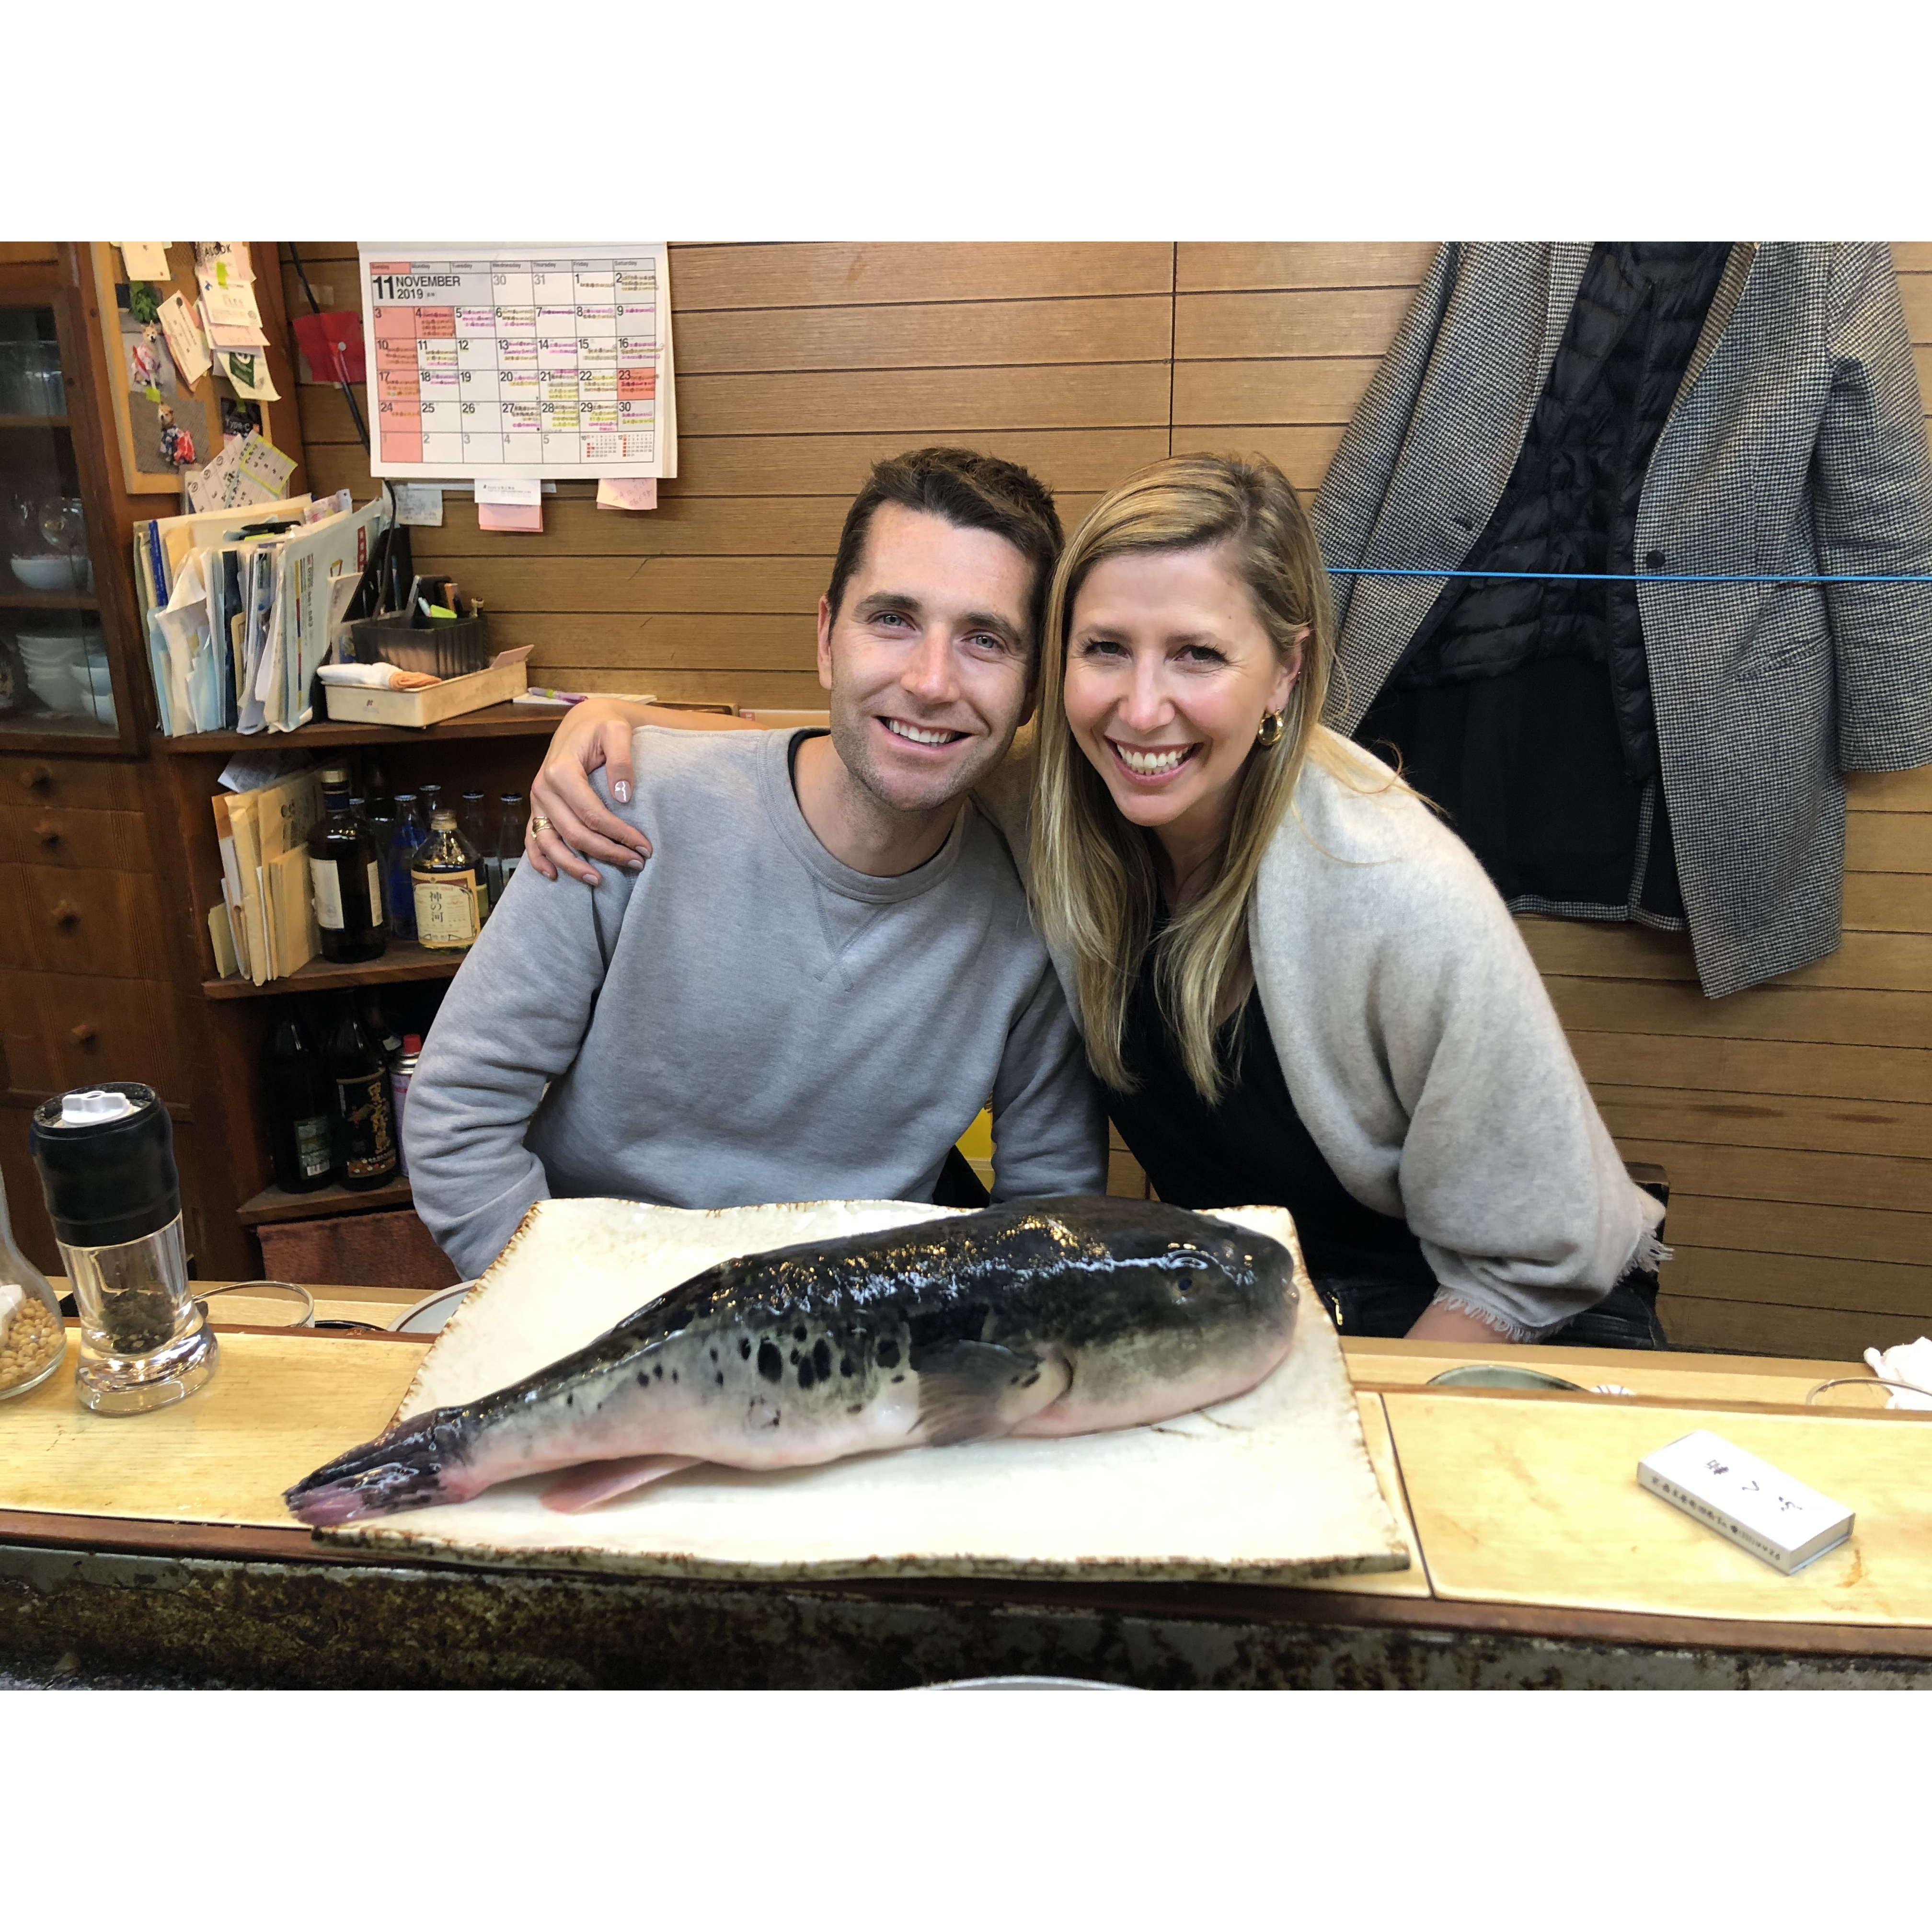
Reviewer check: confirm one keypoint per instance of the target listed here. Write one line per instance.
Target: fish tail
(418, 1463)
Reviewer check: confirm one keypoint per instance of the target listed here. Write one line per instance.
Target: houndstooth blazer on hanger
(1796, 445)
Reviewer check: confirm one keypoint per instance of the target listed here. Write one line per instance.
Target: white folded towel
(383, 677)
(1910, 1362)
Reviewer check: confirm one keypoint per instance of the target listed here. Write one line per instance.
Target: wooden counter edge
(1193, 1602)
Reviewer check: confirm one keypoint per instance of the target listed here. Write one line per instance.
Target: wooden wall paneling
(1829, 1333)
(1795, 1119)
(812, 274)
(1749, 1066)
(961, 334)
(1201, 266)
(1801, 1281)
(1741, 1122)
(1256, 324)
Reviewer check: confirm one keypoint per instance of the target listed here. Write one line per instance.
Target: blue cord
(1632, 577)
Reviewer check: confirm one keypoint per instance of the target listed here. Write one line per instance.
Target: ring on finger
(539, 825)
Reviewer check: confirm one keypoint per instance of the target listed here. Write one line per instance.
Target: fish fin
(590, 1484)
(970, 1391)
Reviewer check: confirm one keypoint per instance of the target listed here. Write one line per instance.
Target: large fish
(1057, 1318)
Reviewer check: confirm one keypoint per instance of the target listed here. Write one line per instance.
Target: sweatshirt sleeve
(1509, 1178)
(512, 1022)
(1426, 1060)
(1049, 1129)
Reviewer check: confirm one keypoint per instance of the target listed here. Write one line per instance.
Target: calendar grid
(546, 364)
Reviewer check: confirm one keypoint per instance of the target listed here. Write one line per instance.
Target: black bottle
(296, 1096)
(346, 877)
(365, 1124)
(378, 800)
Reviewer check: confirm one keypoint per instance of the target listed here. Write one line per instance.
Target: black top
(1523, 708)
(1251, 1150)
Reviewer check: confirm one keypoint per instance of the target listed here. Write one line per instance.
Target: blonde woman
(1296, 984)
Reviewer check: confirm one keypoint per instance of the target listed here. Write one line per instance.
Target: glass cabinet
(64, 681)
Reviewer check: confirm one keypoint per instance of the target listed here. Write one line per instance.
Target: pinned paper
(526, 492)
(229, 335)
(228, 308)
(226, 264)
(524, 517)
(331, 347)
(247, 370)
(184, 340)
(419, 505)
(627, 493)
(264, 468)
(250, 470)
(145, 261)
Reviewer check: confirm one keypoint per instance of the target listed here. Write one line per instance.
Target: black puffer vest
(1569, 826)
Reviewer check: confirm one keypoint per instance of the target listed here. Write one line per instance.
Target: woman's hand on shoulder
(569, 823)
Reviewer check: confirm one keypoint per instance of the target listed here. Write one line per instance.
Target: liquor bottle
(345, 876)
(452, 894)
(402, 1071)
(376, 793)
(406, 834)
(295, 1095)
(509, 852)
(365, 1125)
(472, 820)
(428, 798)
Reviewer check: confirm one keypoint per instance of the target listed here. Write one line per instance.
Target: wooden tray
(1534, 1499)
(275, 1407)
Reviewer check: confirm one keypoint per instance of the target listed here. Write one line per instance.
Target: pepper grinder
(31, 1338)
(106, 1162)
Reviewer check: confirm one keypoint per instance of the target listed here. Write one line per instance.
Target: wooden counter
(1536, 1557)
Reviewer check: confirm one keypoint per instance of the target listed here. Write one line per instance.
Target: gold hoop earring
(1271, 729)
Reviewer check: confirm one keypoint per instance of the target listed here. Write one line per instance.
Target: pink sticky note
(527, 516)
(627, 493)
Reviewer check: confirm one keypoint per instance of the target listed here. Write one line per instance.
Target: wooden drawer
(90, 785)
(108, 924)
(71, 1030)
(60, 835)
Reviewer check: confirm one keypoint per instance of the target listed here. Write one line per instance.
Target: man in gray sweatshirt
(827, 967)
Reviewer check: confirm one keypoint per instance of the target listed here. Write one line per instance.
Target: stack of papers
(263, 826)
(238, 625)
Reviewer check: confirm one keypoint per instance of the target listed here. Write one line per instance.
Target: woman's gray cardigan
(1421, 1049)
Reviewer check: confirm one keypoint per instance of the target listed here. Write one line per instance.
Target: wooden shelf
(33, 422)
(493, 721)
(54, 731)
(272, 1205)
(406, 959)
(48, 600)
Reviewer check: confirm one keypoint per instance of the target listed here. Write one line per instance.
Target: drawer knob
(47, 833)
(82, 1033)
(36, 775)
(65, 913)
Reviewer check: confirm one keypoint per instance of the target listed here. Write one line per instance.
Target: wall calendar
(500, 359)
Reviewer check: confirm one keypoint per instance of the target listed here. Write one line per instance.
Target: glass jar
(106, 1157)
(32, 1338)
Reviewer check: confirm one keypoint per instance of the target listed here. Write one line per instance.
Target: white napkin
(1908, 1362)
(383, 677)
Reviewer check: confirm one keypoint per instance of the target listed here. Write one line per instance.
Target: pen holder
(441, 650)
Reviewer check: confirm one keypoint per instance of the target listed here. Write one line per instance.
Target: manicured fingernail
(621, 792)
(635, 866)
